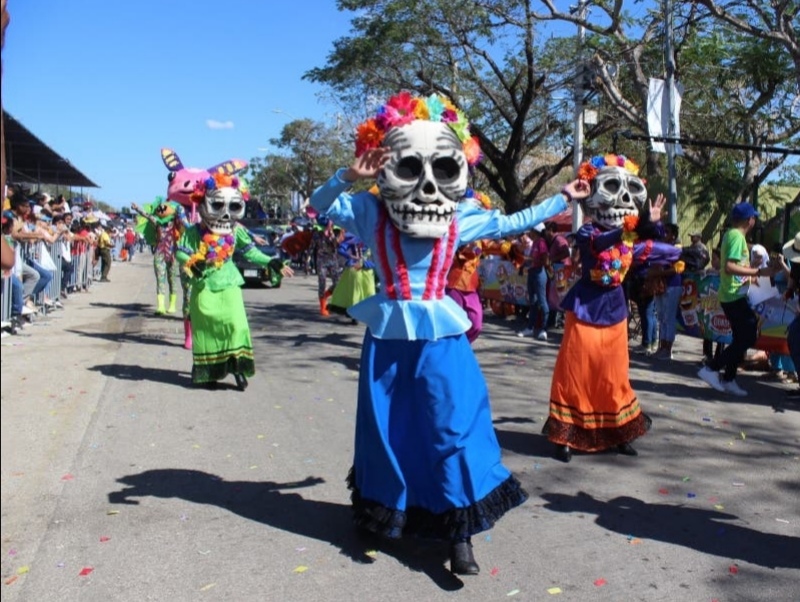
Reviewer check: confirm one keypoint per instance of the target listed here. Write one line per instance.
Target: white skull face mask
(221, 208)
(424, 179)
(616, 194)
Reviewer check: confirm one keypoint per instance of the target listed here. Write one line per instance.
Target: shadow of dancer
(267, 503)
(695, 528)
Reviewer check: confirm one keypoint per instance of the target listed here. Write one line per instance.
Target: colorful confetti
(553, 591)
(600, 582)
(87, 570)
(300, 569)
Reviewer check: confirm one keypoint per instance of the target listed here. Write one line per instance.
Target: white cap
(539, 227)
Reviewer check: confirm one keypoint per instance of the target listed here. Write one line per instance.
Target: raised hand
(656, 208)
(368, 165)
(577, 189)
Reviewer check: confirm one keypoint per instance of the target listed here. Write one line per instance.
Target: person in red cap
(734, 278)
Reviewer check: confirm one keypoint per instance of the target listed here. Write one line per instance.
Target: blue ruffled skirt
(427, 460)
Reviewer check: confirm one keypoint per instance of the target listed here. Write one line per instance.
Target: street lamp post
(577, 138)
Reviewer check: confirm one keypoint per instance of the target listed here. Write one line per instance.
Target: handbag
(46, 260)
(66, 254)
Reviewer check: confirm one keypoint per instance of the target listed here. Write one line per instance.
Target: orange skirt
(592, 404)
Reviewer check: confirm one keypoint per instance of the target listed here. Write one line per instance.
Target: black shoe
(462, 562)
(241, 381)
(563, 453)
(626, 450)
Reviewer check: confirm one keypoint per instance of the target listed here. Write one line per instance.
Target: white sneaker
(26, 311)
(711, 378)
(542, 336)
(730, 386)
(528, 332)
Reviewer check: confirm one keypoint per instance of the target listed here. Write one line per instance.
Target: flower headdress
(217, 180)
(403, 108)
(589, 169)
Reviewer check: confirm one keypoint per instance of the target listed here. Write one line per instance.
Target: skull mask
(616, 194)
(424, 178)
(221, 209)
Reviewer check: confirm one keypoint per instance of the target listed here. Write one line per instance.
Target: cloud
(213, 124)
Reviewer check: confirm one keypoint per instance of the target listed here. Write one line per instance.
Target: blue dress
(426, 460)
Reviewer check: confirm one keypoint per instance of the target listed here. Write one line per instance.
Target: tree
(308, 152)
(484, 56)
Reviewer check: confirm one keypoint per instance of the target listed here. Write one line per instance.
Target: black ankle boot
(462, 562)
(563, 453)
(241, 381)
(626, 450)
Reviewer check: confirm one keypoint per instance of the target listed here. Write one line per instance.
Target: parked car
(252, 272)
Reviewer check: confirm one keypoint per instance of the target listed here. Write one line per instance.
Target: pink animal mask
(182, 179)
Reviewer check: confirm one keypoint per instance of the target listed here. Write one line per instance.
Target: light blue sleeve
(356, 213)
(475, 223)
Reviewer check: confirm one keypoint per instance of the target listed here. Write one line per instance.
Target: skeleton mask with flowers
(222, 203)
(617, 190)
(424, 179)
(426, 174)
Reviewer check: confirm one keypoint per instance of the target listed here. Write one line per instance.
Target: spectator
(559, 252)
(642, 296)
(696, 256)
(735, 274)
(104, 245)
(667, 302)
(534, 249)
(23, 231)
(791, 251)
(130, 242)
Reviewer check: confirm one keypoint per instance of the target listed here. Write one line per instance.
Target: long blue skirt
(427, 460)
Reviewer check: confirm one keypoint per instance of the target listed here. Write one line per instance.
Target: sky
(107, 84)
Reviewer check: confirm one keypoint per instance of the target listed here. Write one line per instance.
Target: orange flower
(630, 222)
(587, 172)
(368, 136)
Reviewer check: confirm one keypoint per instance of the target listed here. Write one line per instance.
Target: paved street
(122, 483)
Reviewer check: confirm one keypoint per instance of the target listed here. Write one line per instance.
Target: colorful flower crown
(589, 169)
(214, 181)
(403, 108)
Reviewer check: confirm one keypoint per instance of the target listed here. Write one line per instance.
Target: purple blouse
(602, 305)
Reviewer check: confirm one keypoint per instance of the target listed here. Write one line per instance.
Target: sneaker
(730, 386)
(528, 332)
(711, 378)
(542, 336)
(26, 311)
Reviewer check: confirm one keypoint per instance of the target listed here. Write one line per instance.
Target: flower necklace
(214, 250)
(613, 263)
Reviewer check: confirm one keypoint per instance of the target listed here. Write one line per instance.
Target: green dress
(221, 342)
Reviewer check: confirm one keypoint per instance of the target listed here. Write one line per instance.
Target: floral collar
(613, 263)
(214, 250)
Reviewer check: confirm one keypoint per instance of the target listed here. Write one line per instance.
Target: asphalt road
(122, 483)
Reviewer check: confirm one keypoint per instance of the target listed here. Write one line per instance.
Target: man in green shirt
(734, 280)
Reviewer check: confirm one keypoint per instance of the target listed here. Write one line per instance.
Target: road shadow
(268, 503)
(140, 338)
(525, 443)
(697, 528)
(142, 373)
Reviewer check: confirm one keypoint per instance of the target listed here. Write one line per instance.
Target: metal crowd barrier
(75, 275)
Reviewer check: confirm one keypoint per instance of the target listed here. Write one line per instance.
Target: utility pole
(669, 60)
(577, 137)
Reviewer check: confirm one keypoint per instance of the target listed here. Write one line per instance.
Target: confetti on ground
(11, 580)
(300, 569)
(719, 507)
(737, 484)
(67, 477)
(743, 435)
(663, 491)
(112, 512)
(104, 539)
(691, 495)
(600, 582)
(23, 569)
(205, 588)
(372, 553)
(686, 479)
(494, 571)
(513, 592)
(488, 538)
(553, 590)
(87, 570)
(12, 552)
(635, 541)
(303, 549)
(204, 552)
(733, 569)
(782, 520)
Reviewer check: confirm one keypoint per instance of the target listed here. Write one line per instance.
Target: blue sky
(107, 83)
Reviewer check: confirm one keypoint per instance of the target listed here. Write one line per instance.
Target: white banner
(658, 113)
(297, 201)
